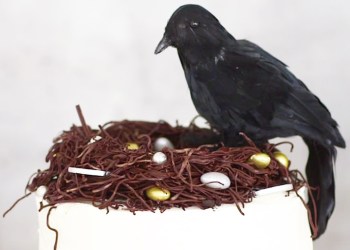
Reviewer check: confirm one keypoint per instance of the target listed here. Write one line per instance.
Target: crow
(239, 87)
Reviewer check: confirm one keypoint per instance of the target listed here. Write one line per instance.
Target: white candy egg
(216, 180)
(159, 158)
(161, 143)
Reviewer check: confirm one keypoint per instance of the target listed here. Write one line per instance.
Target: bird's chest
(202, 81)
(201, 97)
(221, 95)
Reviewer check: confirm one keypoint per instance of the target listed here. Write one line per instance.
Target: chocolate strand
(82, 120)
(51, 228)
(15, 203)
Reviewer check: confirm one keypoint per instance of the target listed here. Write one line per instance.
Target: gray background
(99, 54)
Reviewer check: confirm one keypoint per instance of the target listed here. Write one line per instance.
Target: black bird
(239, 87)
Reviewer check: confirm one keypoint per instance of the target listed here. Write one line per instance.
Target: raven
(239, 87)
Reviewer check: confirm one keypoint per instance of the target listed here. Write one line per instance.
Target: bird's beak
(163, 44)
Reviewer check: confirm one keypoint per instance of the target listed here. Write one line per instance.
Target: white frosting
(273, 221)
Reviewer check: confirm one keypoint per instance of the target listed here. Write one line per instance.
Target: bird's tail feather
(320, 175)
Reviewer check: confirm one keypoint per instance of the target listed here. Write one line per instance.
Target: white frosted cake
(149, 186)
(273, 221)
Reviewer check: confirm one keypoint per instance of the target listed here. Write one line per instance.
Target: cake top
(151, 165)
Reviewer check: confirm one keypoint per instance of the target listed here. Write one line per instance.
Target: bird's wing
(266, 93)
(254, 53)
(244, 84)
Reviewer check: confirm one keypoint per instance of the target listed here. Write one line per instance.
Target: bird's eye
(194, 24)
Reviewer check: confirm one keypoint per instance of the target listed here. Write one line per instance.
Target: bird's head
(192, 26)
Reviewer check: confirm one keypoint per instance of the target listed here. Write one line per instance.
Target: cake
(272, 221)
(144, 185)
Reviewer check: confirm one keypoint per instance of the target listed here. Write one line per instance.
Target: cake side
(274, 221)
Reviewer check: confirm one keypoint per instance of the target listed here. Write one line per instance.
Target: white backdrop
(99, 54)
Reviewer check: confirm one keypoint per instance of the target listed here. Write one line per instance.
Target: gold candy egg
(260, 160)
(281, 158)
(158, 194)
(132, 146)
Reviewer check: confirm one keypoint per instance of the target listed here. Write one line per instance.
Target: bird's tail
(320, 175)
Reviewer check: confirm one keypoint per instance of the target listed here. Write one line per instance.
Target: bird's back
(244, 88)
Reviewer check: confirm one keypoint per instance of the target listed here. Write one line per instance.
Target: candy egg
(158, 194)
(216, 180)
(132, 146)
(159, 158)
(41, 191)
(161, 143)
(281, 158)
(260, 160)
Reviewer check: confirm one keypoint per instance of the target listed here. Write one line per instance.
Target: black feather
(319, 171)
(239, 87)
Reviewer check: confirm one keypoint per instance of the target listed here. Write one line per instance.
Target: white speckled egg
(41, 191)
(159, 158)
(161, 143)
(216, 180)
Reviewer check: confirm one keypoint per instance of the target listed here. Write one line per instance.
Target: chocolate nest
(132, 171)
